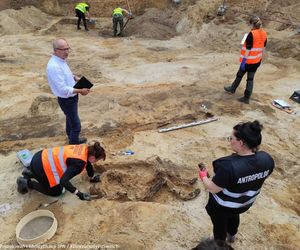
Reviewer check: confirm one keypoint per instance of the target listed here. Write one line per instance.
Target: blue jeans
(73, 126)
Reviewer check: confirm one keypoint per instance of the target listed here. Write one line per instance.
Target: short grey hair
(54, 44)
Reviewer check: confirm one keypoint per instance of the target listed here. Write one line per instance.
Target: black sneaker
(244, 100)
(22, 185)
(27, 173)
(229, 89)
(230, 238)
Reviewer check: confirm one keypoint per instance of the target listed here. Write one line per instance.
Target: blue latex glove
(243, 63)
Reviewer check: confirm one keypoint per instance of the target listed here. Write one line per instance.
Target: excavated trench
(99, 8)
(152, 180)
(153, 24)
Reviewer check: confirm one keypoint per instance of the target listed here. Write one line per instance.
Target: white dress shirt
(60, 77)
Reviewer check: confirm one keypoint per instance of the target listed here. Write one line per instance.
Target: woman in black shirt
(237, 181)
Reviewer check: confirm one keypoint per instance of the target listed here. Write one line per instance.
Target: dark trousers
(249, 85)
(80, 16)
(40, 182)
(73, 126)
(117, 19)
(223, 222)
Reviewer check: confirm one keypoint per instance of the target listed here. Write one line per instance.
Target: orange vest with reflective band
(255, 54)
(54, 160)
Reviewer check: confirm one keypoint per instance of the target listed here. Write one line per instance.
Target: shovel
(124, 26)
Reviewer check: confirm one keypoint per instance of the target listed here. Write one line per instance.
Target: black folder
(83, 83)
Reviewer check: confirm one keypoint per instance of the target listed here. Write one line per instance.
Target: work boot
(244, 100)
(22, 185)
(27, 173)
(229, 89)
(230, 238)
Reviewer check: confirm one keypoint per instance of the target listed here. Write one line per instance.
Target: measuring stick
(188, 125)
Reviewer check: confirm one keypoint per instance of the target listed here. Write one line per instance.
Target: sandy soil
(169, 70)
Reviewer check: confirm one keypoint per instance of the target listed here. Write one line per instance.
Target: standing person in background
(81, 9)
(237, 181)
(250, 58)
(52, 169)
(61, 81)
(118, 19)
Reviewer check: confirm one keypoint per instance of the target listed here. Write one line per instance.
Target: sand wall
(99, 8)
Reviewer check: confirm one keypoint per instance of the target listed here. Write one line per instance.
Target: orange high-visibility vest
(54, 160)
(255, 54)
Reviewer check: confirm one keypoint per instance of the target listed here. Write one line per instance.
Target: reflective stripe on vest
(118, 11)
(249, 193)
(231, 204)
(234, 204)
(54, 161)
(256, 52)
(82, 7)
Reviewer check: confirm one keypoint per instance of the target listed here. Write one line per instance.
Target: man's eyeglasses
(64, 49)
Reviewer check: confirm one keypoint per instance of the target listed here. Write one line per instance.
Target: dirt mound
(285, 49)
(201, 25)
(4, 4)
(154, 23)
(27, 19)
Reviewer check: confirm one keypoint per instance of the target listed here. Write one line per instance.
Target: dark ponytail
(255, 22)
(249, 133)
(96, 150)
